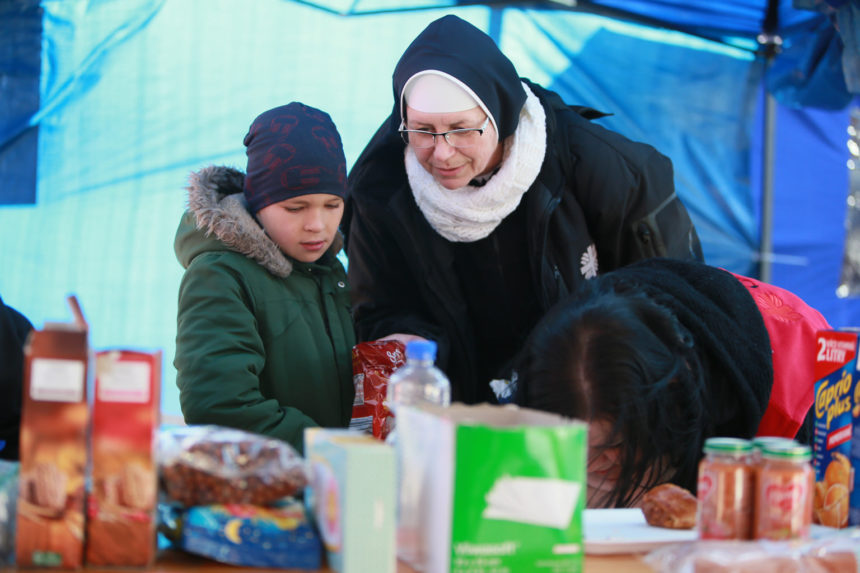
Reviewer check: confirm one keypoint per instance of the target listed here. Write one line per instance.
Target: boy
(264, 334)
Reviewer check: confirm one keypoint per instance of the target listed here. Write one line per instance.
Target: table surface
(173, 561)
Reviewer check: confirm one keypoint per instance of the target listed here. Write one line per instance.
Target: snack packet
(278, 536)
(372, 366)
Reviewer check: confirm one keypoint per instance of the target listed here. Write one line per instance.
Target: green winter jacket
(263, 342)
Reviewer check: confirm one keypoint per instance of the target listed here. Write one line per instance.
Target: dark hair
(611, 352)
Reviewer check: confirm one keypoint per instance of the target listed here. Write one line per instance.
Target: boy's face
(304, 226)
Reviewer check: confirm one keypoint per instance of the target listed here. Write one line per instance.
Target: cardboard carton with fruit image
(836, 445)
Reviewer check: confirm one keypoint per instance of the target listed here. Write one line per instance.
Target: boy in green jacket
(264, 334)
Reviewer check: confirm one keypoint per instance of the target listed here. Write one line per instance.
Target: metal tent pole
(768, 143)
(770, 43)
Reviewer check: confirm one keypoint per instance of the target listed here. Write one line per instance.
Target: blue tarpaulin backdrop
(126, 98)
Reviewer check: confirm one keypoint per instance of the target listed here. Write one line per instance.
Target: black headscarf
(727, 328)
(459, 49)
(680, 353)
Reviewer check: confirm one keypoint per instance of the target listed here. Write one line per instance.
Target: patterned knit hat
(293, 150)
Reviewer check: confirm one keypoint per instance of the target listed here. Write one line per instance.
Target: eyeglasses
(420, 139)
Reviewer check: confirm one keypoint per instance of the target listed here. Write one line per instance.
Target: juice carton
(352, 499)
(54, 416)
(836, 447)
(125, 417)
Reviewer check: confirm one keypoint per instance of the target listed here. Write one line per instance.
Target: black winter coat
(14, 330)
(595, 187)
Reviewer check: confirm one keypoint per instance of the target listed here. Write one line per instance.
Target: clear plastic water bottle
(419, 380)
(416, 382)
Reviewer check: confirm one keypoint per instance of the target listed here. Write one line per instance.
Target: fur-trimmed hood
(218, 219)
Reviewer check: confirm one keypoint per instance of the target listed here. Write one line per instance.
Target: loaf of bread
(669, 505)
(206, 465)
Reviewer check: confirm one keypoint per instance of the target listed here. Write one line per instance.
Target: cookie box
(53, 453)
(125, 417)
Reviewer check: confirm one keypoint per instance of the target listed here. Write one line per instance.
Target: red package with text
(372, 365)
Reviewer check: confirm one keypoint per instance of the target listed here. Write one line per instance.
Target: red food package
(372, 365)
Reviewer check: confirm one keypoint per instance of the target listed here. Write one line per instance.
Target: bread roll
(671, 506)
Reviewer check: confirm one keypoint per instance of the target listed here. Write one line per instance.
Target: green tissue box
(491, 489)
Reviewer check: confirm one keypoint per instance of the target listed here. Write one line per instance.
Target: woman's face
(605, 469)
(454, 167)
(604, 464)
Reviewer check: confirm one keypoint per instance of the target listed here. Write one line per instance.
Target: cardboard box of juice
(121, 524)
(53, 453)
(836, 446)
(490, 489)
(352, 499)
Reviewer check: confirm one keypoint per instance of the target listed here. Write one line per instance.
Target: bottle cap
(421, 349)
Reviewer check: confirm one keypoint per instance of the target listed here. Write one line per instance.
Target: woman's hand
(401, 337)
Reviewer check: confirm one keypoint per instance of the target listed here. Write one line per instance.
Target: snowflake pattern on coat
(768, 302)
(776, 307)
(588, 262)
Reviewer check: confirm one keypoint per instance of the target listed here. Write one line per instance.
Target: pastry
(669, 505)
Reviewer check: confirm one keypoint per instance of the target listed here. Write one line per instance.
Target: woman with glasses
(483, 199)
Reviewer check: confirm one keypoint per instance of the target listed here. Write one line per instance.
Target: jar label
(725, 497)
(784, 504)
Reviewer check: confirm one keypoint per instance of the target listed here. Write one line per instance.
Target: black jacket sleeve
(625, 188)
(628, 194)
(14, 329)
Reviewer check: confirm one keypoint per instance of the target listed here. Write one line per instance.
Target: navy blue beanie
(292, 150)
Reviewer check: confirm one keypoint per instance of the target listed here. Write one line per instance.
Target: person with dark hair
(483, 199)
(264, 335)
(662, 354)
(14, 329)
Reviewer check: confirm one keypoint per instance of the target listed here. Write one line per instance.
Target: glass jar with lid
(760, 441)
(725, 489)
(784, 492)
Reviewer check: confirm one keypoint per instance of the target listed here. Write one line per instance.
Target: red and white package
(372, 365)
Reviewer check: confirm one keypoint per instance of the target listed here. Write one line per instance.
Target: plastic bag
(203, 465)
(838, 552)
(372, 366)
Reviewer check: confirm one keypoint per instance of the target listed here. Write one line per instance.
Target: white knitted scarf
(471, 213)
